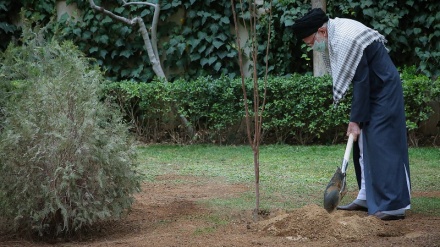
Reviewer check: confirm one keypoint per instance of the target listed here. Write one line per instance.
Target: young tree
(254, 137)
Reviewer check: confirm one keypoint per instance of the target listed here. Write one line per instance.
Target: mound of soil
(312, 222)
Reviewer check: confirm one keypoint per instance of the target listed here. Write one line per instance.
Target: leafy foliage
(412, 29)
(299, 108)
(203, 44)
(213, 106)
(419, 91)
(201, 38)
(66, 160)
(7, 29)
(195, 37)
(116, 46)
(147, 107)
(286, 54)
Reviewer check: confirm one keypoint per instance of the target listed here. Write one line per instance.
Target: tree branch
(106, 12)
(150, 46)
(138, 3)
(154, 24)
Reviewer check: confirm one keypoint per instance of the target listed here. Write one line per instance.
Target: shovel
(336, 188)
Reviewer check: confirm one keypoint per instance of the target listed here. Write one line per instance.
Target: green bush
(147, 106)
(213, 106)
(66, 159)
(301, 107)
(419, 91)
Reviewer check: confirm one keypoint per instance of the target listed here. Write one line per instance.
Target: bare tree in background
(150, 44)
(254, 137)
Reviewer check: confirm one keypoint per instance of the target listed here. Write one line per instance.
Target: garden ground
(170, 213)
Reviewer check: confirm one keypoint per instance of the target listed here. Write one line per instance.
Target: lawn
(290, 176)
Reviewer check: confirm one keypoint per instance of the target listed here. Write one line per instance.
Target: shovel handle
(347, 153)
(349, 147)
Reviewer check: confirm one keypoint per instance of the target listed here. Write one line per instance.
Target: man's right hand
(354, 129)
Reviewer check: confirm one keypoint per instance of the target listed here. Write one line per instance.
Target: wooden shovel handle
(347, 153)
(349, 147)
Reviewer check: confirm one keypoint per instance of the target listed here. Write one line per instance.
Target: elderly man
(356, 55)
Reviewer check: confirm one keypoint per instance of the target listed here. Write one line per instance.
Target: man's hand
(354, 129)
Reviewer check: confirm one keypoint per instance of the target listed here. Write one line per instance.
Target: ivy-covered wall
(202, 41)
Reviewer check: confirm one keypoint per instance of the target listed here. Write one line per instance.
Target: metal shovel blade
(336, 189)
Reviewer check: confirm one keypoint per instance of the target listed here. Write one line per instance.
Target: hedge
(299, 108)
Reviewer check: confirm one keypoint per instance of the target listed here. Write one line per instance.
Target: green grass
(290, 176)
(214, 221)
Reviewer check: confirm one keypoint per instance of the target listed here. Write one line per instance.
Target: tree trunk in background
(318, 62)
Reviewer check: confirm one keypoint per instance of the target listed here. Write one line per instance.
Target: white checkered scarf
(346, 43)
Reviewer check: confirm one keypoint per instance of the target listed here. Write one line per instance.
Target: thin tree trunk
(255, 138)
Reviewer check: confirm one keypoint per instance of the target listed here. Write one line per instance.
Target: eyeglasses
(313, 41)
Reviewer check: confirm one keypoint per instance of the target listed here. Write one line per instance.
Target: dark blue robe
(378, 106)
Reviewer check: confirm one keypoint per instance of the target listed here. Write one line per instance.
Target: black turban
(309, 24)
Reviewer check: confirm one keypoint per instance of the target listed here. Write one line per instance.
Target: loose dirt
(171, 212)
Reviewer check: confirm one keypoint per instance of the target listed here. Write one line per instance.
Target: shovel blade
(334, 191)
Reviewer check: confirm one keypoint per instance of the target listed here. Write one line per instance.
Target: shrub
(419, 91)
(66, 160)
(147, 106)
(213, 106)
(301, 108)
